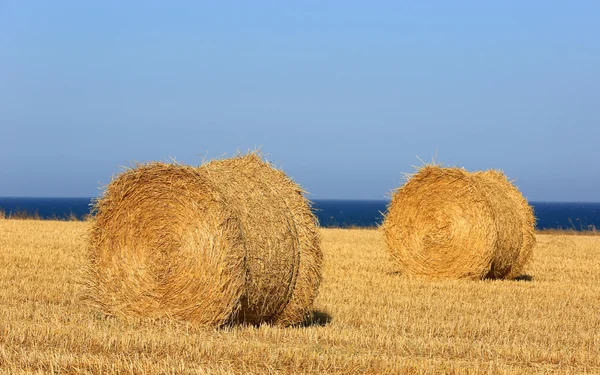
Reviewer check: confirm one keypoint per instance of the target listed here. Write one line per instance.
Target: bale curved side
(449, 223)
(523, 223)
(290, 225)
(311, 259)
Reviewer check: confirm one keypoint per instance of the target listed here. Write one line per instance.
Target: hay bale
(449, 223)
(231, 241)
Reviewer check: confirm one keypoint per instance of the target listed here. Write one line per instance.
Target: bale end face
(163, 244)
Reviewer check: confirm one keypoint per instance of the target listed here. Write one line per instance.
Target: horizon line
(316, 199)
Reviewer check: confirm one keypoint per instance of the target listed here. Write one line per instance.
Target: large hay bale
(231, 241)
(449, 223)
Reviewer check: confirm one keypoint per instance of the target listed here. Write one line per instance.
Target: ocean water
(47, 208)
(331, 213)
(549, 215)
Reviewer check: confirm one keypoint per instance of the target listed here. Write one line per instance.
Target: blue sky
(342, 95)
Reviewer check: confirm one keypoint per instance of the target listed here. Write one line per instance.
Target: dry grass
(447, 223)
(19, 214)
(570, 232)
(367, 319)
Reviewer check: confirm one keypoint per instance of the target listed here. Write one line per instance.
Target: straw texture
(232, 241)
(449, 223)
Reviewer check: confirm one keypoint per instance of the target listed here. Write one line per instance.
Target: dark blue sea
(331, 213)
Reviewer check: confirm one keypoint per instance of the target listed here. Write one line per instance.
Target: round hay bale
(232, 241)
(449, 223)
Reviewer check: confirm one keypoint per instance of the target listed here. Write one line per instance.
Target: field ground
(367, 318)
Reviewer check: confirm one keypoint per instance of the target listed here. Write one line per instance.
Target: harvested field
(366, 319)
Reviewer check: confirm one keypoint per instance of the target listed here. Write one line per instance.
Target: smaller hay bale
(231, 241)
(447, 223)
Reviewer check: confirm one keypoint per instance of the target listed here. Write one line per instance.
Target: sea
(330, 212)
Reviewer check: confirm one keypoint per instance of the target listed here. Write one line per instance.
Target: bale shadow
(316, 318)
(524, 277)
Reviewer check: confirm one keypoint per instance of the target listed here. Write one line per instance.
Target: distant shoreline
(534, 202)
(23, 215)
(331, 213)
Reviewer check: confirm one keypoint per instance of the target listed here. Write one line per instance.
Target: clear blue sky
(342, 95)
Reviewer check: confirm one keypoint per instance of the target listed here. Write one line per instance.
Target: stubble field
(367, 318)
